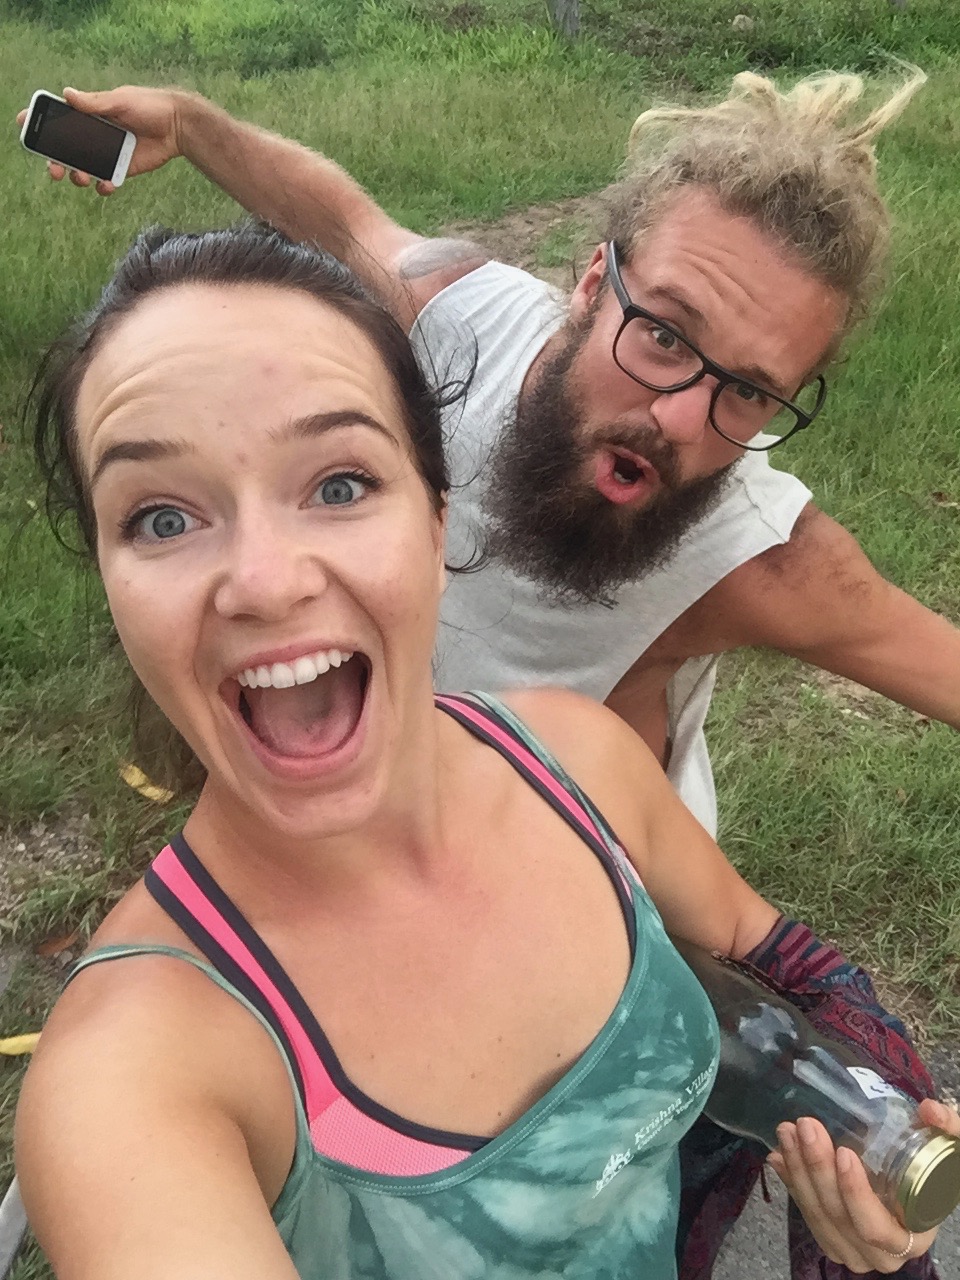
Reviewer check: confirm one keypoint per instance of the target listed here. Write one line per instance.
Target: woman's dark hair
(163, 259)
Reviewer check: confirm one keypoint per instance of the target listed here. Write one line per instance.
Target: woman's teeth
(284, 675)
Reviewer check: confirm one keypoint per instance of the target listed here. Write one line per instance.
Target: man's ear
(583, 295)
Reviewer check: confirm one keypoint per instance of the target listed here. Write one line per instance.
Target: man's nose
(267, 572)
(684, 416)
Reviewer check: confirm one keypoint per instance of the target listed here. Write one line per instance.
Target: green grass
(847, 813)
(464, 110)
(688, 44)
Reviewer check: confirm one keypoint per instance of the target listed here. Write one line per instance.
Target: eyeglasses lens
(660, 359)
(740, 411)
(655, 354)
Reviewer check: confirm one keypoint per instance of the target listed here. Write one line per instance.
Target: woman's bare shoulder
(596, 747)
(131, 1010)
(138, 918)
(142, 1069)
(142, 1014)
(149, 1037)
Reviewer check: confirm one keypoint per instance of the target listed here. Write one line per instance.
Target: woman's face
(271, 555)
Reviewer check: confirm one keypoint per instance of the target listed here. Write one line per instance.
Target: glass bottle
(775, 1067)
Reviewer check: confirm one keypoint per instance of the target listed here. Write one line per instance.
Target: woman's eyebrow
(317, 424)
(313, 424)
(139, 451)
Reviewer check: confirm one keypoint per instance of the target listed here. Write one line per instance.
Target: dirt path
(519, 237)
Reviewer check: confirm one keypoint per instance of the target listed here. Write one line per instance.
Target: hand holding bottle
(831, 1189)
(779, 1081)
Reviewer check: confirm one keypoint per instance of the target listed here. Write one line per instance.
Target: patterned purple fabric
(719, 1170)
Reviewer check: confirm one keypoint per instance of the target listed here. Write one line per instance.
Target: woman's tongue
(309, 719)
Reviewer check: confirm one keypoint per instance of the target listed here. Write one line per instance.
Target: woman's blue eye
(163, 523)
(339, 491)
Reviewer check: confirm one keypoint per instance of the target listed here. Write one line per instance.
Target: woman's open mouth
(303, 717)
(622, 476)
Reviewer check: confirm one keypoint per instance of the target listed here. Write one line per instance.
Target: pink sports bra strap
(492, 720)
(345, 1125)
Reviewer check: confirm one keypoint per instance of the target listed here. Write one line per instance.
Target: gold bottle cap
(929, 1189)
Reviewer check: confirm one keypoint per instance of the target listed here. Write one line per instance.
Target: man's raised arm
(299, 191)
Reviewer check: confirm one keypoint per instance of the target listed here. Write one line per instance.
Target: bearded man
(611, 459)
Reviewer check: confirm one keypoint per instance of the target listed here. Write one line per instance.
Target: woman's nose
(267, 573)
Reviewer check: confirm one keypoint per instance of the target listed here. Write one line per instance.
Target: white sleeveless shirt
(496, 631)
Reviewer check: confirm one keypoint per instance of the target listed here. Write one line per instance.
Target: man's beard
(549, 524)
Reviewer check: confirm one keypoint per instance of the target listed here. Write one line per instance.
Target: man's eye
(749, 394)
(341, 490)
(160, 524)
(664, 339)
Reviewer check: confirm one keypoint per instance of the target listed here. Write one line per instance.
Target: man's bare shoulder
(424, 267)
(441, 255)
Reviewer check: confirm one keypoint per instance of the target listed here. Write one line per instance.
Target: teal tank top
(585, 1185)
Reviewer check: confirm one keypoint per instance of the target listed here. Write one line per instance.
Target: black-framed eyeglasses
(655, 354)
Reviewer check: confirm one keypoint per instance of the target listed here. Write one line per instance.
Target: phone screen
(76, 140)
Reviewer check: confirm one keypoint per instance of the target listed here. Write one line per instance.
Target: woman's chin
(281, 813)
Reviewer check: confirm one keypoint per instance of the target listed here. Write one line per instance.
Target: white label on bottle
(873, 1086)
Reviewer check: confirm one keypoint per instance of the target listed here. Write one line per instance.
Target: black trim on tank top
(224, 964)
(477, 701)
(235, 918)
(604, 855)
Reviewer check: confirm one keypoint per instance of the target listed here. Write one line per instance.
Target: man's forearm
(913, 659)
(819, 599)
(299, 191)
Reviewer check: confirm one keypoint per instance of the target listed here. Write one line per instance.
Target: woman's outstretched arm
(132, 1158)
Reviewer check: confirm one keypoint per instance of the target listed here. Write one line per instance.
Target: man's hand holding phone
(297, 190)
(152, 115)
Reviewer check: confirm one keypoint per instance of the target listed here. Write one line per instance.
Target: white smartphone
(59, 132)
